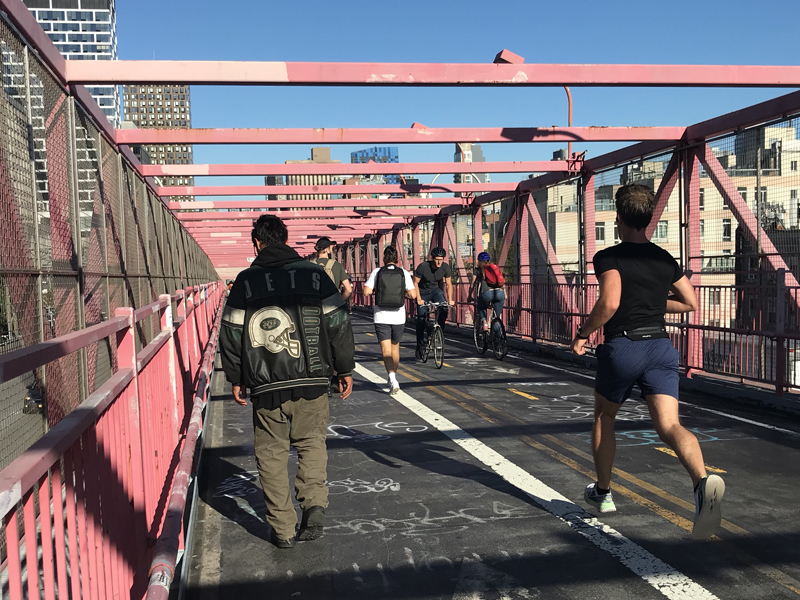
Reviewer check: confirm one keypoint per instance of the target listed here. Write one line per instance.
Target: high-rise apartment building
(378, 154)
(162, 106)
(83, 30)
(468, 152)
(319, 156)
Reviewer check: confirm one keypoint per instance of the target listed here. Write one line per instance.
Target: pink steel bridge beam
(187, 217)
(428, 74)
(336, 190)
(417, 134)
(369, 168)
(294, 224)
(352, 203)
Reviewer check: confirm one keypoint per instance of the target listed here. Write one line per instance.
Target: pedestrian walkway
(469, 485)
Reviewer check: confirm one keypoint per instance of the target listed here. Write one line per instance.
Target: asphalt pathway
(469, 485)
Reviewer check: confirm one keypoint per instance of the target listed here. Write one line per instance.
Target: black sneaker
(279, 542)
(312, 524)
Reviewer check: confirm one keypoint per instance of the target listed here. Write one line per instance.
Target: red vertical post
(524, 240)
(415, 245)
(196, 326)
(780, 330)
(381, 248)
(183, 342)
(369, 257)
(589, 279)
(166, 326)
(358, 260)
(511, 230)
(477, 235)
(126, 359)
(694, 262)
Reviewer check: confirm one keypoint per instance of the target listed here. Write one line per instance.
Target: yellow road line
(448, 366)
(671, 452)
(523, 394)
(769, 571)
(370, 334)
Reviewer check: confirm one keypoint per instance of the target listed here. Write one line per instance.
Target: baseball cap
(322, 243)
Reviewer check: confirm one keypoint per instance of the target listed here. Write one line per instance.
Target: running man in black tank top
(640, 283)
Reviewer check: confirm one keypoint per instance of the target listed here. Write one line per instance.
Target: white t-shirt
(390, 316)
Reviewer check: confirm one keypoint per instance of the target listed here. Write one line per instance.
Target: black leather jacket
(285, 325)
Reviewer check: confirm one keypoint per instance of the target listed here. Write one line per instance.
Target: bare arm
(417, 294)
(366, 290)
(683, 298)
(607, 304)
(449, 287)
(348, 289)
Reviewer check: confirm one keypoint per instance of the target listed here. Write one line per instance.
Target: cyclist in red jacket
(489, 284)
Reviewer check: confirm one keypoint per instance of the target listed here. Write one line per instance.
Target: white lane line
(695, 406)
(664, 578)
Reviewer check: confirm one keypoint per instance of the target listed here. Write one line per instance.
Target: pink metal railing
(83, 506)
(720, 343)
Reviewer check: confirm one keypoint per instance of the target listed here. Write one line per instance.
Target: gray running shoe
(395, 389)
(707, 500)
(602, 502)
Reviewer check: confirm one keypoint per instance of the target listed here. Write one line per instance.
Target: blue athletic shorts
(621, 363)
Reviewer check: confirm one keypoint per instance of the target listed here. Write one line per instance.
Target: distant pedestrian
(285, 332)
(427, 277)
(391, 285)
(640, 283)
(333, 268)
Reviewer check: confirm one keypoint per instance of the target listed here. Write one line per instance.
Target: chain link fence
(81, 234)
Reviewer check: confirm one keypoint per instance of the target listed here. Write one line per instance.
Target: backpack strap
(329, 268)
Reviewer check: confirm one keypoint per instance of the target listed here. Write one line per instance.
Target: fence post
(780, 329)
(191, 336)
(166, 325)
(126, 359)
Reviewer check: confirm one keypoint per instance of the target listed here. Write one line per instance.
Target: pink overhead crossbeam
(338, 190)
(427, 74)
(411, 135)
(370, 168)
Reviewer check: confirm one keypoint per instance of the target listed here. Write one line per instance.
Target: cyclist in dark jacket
(285, 331)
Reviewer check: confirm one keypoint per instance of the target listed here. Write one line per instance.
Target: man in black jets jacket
(285, 332)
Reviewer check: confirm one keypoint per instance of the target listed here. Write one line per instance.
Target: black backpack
(390, 287)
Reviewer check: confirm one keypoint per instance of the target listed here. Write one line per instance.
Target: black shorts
(621, 363)
(389, 332)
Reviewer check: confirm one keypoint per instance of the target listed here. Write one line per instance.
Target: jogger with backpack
(391, 285)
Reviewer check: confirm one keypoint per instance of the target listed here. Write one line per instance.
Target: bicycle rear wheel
(479, 335)
(438, 347)
(499, 342)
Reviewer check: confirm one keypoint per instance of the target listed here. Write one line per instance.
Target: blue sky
(675, 32)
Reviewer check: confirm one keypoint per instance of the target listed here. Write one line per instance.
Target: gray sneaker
(604, 503)
(707, 500)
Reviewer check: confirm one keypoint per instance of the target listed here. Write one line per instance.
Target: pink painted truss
(188, 217)
(411, 135)
(354, 190)
(353, 203)
(369, 168)
(428, 74)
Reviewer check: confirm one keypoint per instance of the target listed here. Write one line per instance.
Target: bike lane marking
(661, 576)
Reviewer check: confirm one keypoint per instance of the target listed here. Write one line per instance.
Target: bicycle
(435, 335)
(496, 334)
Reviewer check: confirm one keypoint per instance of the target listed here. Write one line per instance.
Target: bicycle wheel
(479, 335)
(438, 347)
(499, 343)
(428, 344)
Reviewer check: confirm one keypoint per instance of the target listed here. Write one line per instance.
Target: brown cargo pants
(302, 424)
